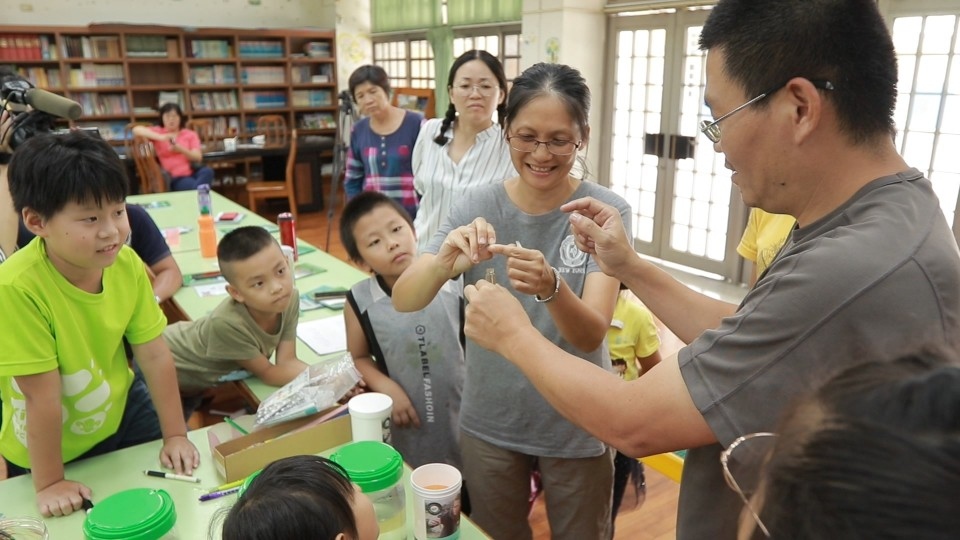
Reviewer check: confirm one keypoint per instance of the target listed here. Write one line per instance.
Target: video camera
(17, 93)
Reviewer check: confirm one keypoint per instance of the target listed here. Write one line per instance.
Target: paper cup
(230, 145)
(436, 501)
(172, 236)
(370, 417)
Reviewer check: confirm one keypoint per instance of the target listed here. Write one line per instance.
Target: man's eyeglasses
(464, 89)
(527, 143)
(712, 129)
(742, 463)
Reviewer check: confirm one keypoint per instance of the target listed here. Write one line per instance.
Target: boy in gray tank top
(415, 358)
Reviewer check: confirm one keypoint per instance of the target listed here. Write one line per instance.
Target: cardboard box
(239, 457)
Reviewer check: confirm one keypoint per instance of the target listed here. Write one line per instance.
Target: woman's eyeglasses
(465, 90)
(742, 464)
(527, 143)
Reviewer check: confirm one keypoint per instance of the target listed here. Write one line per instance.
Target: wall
(221, 13)
(570, 32)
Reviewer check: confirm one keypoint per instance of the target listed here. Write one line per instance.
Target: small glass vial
(378, 469)
(490, 275)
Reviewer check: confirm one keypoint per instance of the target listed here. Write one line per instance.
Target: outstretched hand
(466, 246)
(493, 316)
(528, 270)
(598, 230)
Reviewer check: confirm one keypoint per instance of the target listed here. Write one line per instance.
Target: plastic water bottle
(203, 200)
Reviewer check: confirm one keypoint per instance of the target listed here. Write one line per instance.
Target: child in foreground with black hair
(415, 358)
(301, 497)
(241, 334)
(73, 294)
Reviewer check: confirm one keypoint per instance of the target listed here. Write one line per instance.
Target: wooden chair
(209, 141)
(152, 178)
(274, 129)
(257, 191)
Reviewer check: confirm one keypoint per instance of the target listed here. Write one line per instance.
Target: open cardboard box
(238, 457)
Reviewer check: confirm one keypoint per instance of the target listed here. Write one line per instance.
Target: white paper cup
(230, 145)
(370, 416)
(436, 501)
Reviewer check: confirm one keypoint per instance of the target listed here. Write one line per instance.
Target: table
(310, 152)
(123, 469)
(336, 273)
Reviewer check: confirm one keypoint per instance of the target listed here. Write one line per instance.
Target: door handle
(653, 144)
(681, 147)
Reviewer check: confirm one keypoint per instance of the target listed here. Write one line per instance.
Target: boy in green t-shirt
(72, 294)
(240, 335)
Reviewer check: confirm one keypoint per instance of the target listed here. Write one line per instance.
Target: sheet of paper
(213, 289)
(324, 336)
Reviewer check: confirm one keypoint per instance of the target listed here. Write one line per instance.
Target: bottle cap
(372, 465)
(134, 514)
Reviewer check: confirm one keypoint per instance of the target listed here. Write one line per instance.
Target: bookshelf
(122, 73)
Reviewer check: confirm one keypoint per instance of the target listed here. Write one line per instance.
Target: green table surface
(334, 272)
(123, 469)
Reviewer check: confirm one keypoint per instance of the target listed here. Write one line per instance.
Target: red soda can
(288, 232)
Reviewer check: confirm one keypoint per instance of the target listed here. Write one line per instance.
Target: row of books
(26, 47)
(263, 75)
(219, 74)
(261, 49)
(307, 73)
(93, 75)
(265, 99)
(312, 98)
(41, 77)
(90, 46)
(224, 126)
(213, 101)
(316, 121)
(96, 104)
(210, 48)
(152, 46)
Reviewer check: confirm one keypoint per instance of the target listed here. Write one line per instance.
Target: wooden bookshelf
(120, 73)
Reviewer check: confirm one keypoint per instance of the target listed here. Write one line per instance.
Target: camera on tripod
(17, 95)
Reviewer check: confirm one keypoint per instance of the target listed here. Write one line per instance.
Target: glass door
(685, 208)
(926, 36)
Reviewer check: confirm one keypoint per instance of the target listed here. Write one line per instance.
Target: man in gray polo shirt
(804, 93)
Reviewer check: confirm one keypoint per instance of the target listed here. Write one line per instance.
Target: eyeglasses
(526, 143)
(464, 89)
(712, 129)
(742, 463)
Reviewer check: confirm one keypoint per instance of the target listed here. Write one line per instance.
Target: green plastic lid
(134, 514)
(372, 465)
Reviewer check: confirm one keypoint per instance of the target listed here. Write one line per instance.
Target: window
(408, 61)
(504, 44)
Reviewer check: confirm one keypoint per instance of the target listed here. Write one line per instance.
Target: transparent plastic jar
(378, 469)
(134, 514)
(25, 528)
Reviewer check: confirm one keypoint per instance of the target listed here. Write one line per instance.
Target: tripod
(348, 115)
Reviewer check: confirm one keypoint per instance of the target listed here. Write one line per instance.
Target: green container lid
(372, 465)
(134, 514)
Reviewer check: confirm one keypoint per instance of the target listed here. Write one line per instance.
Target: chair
(209, 141)
(152, 177)
(274, 129)
(257, 191)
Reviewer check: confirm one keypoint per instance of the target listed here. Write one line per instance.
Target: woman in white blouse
(465, 148)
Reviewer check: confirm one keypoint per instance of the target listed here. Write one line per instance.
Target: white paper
(324, 336)
(214, 289)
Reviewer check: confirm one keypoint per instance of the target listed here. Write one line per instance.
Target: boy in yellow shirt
(73, 293)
